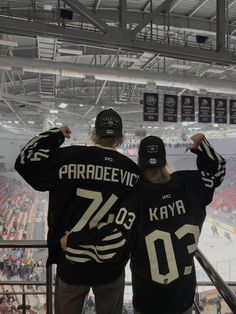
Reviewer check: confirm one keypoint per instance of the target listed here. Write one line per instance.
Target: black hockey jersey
(170, 221)
(86, 185)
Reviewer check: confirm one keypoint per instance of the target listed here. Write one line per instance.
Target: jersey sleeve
(211, 166)
(108, 243)
(36, 161)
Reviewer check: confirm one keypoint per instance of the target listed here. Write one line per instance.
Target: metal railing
(32, 244)
(216, 280)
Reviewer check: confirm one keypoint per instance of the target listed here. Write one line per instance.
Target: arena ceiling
(61, 62)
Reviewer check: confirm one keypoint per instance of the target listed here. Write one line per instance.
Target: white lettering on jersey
(166, 196)
(40, 153)
(174, 263)
(108, 159)
(167, 211)
(95, 172)
(163, 212)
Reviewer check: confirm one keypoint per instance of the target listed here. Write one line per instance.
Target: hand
(197, 140)
(63, 241)
(66, 131)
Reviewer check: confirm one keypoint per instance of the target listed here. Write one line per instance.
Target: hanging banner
(232, 111)
(170, 108)
(220, 110)
(150, 107)
(187, 108)
(204, 110)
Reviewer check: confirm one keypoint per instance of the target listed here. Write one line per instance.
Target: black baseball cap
(152, 152)
(108, 124)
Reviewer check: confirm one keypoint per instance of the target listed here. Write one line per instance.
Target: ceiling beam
(220, 30)
(89, 15)
(174, 5)
(144, 8)
(116, 39)
(122, 14)
(177, 21)
(96, 6)
(105, 82)
(164, 7)
(197, 7)
(227, 7)
(119, 74)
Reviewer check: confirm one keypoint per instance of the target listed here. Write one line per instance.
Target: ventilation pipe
(65, 69)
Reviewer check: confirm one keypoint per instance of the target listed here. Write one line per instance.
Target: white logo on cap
(110, 131)
(111, 122)
(152, 149)
(152, 161)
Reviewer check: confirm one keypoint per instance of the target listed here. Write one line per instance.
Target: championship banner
(220, 110)
(232, 111)
(150, 107)
(204, 110)
(170, 108)
(187, 108)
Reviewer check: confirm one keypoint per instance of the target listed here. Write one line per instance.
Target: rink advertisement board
(220, 110)
(187, 108)
(232, 111)
(204, 109)
(170, 108)
(150, 107)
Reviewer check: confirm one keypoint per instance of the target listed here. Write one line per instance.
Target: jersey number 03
(173, 272)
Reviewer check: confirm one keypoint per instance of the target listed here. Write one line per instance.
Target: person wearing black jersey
(86, 185)
(172, 209)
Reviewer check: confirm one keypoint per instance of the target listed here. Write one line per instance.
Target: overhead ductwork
(117, 75)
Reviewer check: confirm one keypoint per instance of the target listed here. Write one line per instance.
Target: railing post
(23, 302)
(217, 280)
(49, 290)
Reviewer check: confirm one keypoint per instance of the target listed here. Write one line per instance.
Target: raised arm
(210, 163)
(35, 161)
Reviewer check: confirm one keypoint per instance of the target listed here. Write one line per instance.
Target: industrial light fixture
(53, 111)
(215, 70)
(47, 7)
(89, 78)
(181, 66)
(63, 105)
(31, 122)
(71, 51)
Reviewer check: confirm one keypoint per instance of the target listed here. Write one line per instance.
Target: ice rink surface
(220, 251)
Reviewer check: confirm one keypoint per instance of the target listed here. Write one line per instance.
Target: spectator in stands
(4, 307)
(86, 186)
(218, 305)
(172, 209)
